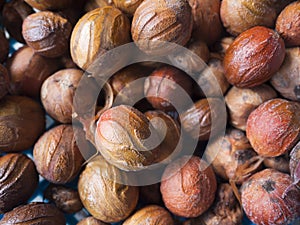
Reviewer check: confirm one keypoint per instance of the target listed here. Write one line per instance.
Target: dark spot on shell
(269, 186)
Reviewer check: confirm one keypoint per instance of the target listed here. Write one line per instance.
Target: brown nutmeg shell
(49, 4)
(34, 213)
(274, 127)
(22, 121)
(57, 156)
(91, 221)
(18, 180)
(127, 6)
(265, 201)
(253, 57)
(47, 33)
(181, 190)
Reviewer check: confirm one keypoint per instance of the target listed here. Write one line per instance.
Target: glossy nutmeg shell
(274, 127)
(18, 180)
(158, 21)
(49, 4)
(253, 57)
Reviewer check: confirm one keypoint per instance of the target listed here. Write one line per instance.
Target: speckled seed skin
(253, 57)
(47, 33)
(265, 201)
(188, 186)
(274, 127)
(161, 20)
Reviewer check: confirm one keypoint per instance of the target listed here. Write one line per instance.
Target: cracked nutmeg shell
(18, 180)
(274, 127)
(98, 31)
(34, 213)
(188, 186)
(47, 33)
(57, 156)
(158, 21)
(265, 200)
(253, 57)
(22, 121)
(101, 193)
(150, 215)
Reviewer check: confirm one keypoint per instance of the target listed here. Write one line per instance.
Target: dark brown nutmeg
(127, 6)
(288, 24)
(295, 164)
(167, 88)
(57, 94)
(158, 21)
(47, 33)
(207, 24)
(265, 201)
(106, 22)
(57, 156)
(102, 195)
(28, 70)
(287, 80)
(242, 101)
(204, 118)
(4, 47)
(150, 194)
(22, 121)
(274, 127)
(18, 180)
(91, 221)
(225, 210)
(13, 14)
(126, 138)
(240, 15)
(34, 213)
(66, 199)
(253, 57)
(49, 4)
(188, 186)
(228, 153)
(4, 81)
(150, 215)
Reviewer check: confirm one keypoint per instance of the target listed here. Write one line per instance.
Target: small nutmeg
(22, 121)
(57, 94)
(150, 215)
(158, 21)
(91, 221)
(253, 57)
(102, 195)
(265, 201)
(57, 156)
(288, 24)
(18, 180)
(47, 33)
(188, 186)
(274, 127)
(34, 213)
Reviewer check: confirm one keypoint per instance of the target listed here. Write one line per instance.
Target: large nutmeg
(188, 186)
(240, 15)
(34, 213)
(47, 33)
(28, 70)
(288, 24)
(107, 22)
(18, 180)
(150, 215)
(207, 24)
(102, 194)
(57, 156)
(242, 101)
(287, 80)
(158, 21)
(125, 137)
(274, 127)
(204, 119)
(57, 94)
(22, 121)
(265, 200)
(49, 4)
(253, 57)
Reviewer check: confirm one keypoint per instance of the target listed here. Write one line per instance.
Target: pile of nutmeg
(104, 157)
